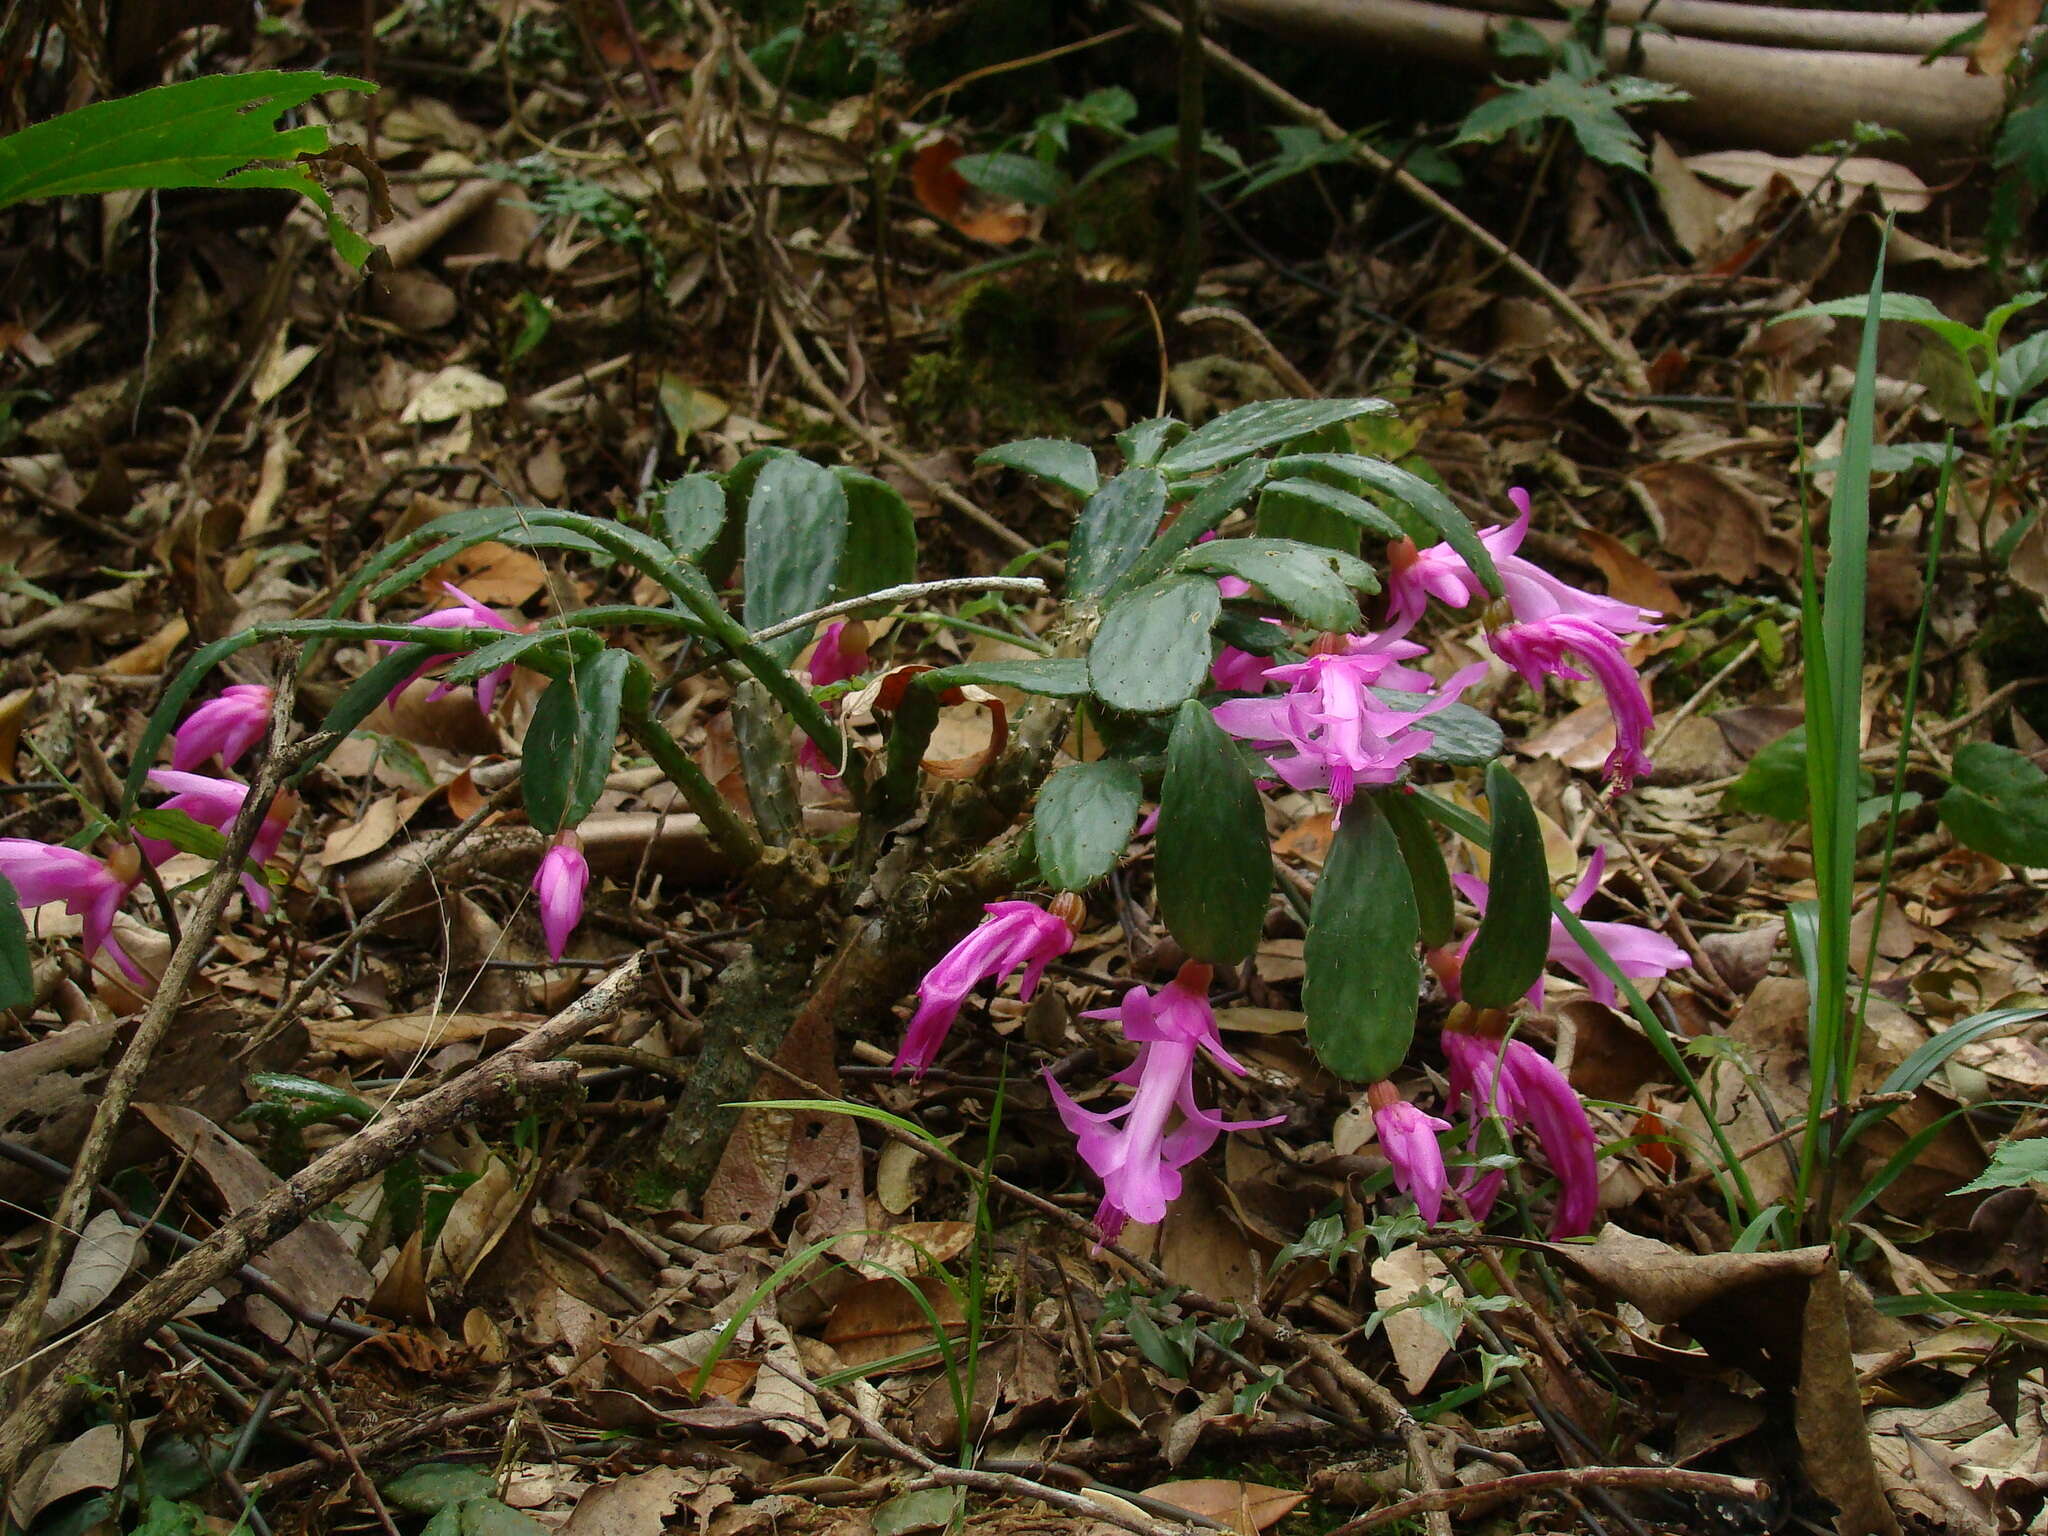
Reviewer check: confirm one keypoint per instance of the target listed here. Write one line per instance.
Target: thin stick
(1616, 351)
(523, 1067)
(1028, 586)
(24, 1323)
(1713, 1485)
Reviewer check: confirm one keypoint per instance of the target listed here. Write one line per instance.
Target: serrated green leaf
(1083, 821)
(1907, 308)
(1113, 529)
(435, 1485)
(1052, 677)
(1212, 868)
(567, 753)
(1507, 953)
(194, 133)
(1363, 976)
(1316, 584)
(2022, 368)
(2013, 1164)
(1261, 424)
(1152, 649)
(1142, 442)
(1998, 804)
(1065, 464)
(1590, 108)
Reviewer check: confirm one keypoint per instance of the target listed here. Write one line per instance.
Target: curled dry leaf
(1246, 1508)
(106, 1252)
(945, 192)
(1897, 188)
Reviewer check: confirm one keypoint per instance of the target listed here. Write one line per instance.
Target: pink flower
(1330, 730)
(841, 652)
(89, 888)
(1408, 1137)
(1016, 933)
(1139, 1161)
(1547, 621)
(1638, 953)
(216, 803)
(225, 727)
(467, 613)
(1518, 1084)
(559, 883)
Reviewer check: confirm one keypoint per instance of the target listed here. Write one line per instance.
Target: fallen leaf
(1897, 188)
(13, 713)
(454, 391)
(879, 1319)
(1710, 523)
(491, 573)
(640, 1505)
(1419, 1345)
(479, 1219)
(946, 193)
(1630, 577)
(1246, 1508)
(2006, 25)
(1692, 208)
(409, 1034)
(107, 1250)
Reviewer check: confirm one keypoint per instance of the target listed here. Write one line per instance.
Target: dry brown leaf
(969, 735)
(1710, 523)
(13, 714)
(2006, 25)
(358, 839)
(1419, 1345)
(152, 655)
(409, 1034)
(1246, 1508)
(1308, 839)
(1897, 188)
(879, 1319)
(491, 573)
(1630, 577)
(945, 192)
(106, 1252)
(1692, 208)
(93, 1460)
(640, 1505)
(478, 1221)
(1203, 1246)
(312, 1264)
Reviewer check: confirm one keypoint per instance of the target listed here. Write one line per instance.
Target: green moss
(999, 376)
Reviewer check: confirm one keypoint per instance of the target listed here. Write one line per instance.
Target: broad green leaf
(1998, 804)
(1299, 489)
(1054, 677)
(1315, 584)
(1212, 869)
(1014, 178)
(690, 513)
(567, 753)
(1113, 529)
(1437, 513)
(1590, 108)
(1908, 308)
(1458, 734)
(2021, 369)
(2019, 303)
(1067, 465)
(1363, 976)
(1213, 500)
(881, 536)
(1152, 649)
(1429, 875)
(1142, 442)
(2013, 1164)
(1507, 953)
(796, 538)
(1261, 424)
(17, 970)
(565, 645)
(1775, 782)
(433, 1486)
(1083, 821)
(195, 133)
(1300, 510)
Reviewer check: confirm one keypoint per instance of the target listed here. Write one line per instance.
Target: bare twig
(1713, 1485)
(24, 1323)
(1025, 586)
(522, 1066)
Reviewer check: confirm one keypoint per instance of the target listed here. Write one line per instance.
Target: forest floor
(613, 258)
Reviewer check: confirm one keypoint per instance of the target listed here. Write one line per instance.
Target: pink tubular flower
(467, 613)
(1548, 620)
(1408, 1137)
(90, 889)
(1330, 730)
(1236, 671)
(559, 883)
(225, 727)
(1139, 1161)
(1522, 1086)
(1015, 933)
(216, 803)
(841, 652)
(1638, 953)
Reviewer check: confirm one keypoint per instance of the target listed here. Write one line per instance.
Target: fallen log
(1776, 26)
(1782, 99)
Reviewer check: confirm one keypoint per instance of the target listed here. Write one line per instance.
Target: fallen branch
(522, 1067)
(1616, 351)
(1781, 26)
(1713, 1485)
